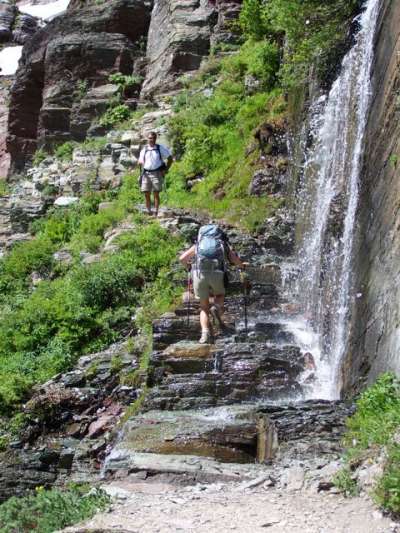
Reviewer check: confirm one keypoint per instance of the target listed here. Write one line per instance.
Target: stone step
(237, 435)
(215, 442)
(191, 468)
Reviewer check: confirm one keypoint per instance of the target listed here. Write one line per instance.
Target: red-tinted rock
(60, 63)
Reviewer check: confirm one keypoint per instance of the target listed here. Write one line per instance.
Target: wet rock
(188, 349)
(278, 233)
(190, 433)
(238, 372)
(266, 182)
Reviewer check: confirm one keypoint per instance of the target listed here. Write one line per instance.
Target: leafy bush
(314, 32)
(124, 81)
(344, 481)
(25, 258)
(376, 424)
(377, 416)
(50, 510)
(211, 130)
(4, 188)
(64, 151)
(39, 156)
(387, 492)
(115, 114)
(254, 19)
(44, 331)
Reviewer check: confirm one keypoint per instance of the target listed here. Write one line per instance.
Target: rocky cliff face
(61, 86)
(16, 28)
(51, 100)
(376, 318)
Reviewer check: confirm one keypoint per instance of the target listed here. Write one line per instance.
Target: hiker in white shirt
(155, 160)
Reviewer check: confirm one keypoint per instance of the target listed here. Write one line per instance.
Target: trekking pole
(188, 301)
(243, 280)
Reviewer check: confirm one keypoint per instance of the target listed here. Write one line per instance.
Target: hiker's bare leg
(156, 201)
(204, 315)
(217, 310)
(219, 300)
(148, 201)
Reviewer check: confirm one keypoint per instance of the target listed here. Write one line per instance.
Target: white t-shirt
(150, 158)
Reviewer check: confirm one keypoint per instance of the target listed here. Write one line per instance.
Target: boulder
(179, 38)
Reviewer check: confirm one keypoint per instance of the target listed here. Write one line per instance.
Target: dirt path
(220, 507)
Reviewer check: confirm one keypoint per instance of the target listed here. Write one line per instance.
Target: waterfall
(327, 203)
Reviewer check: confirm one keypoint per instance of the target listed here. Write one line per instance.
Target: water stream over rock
(327, 204)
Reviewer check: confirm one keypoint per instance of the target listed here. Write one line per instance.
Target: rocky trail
(221, 507)
(226, 438)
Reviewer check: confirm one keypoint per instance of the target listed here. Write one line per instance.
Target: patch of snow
(65, 201)
(45, 11)
(9, 58)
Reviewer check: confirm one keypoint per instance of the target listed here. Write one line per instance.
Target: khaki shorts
(208, 282)
(152, 181)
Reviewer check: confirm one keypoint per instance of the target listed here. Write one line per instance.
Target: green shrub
(50, 510)
(373, 427)
(64, 151)
(387, 492)
(211, 131)
(254, 19)
(4, 188)
(39, 156)
(377, 416)
(111, 282)
(124, 81)
(315, 31)
(344, 481)
(24, 258)
(44, 331)
(115, 114)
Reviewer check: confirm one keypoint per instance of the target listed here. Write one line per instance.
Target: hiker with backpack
(209, 258)
(155, 160)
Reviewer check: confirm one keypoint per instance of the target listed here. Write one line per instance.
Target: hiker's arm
(166, 156)
(141, 157)
(188, 255)
(235, 259)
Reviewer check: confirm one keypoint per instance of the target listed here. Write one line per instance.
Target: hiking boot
(206, 337)
(215, 313)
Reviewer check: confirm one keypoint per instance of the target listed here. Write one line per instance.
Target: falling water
(327, 205)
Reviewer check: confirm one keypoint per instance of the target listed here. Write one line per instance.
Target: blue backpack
(210, 249)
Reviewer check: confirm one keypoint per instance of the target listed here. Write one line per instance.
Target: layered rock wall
(375, 343)
(61, 63)
(51, 101)
(179, 37)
